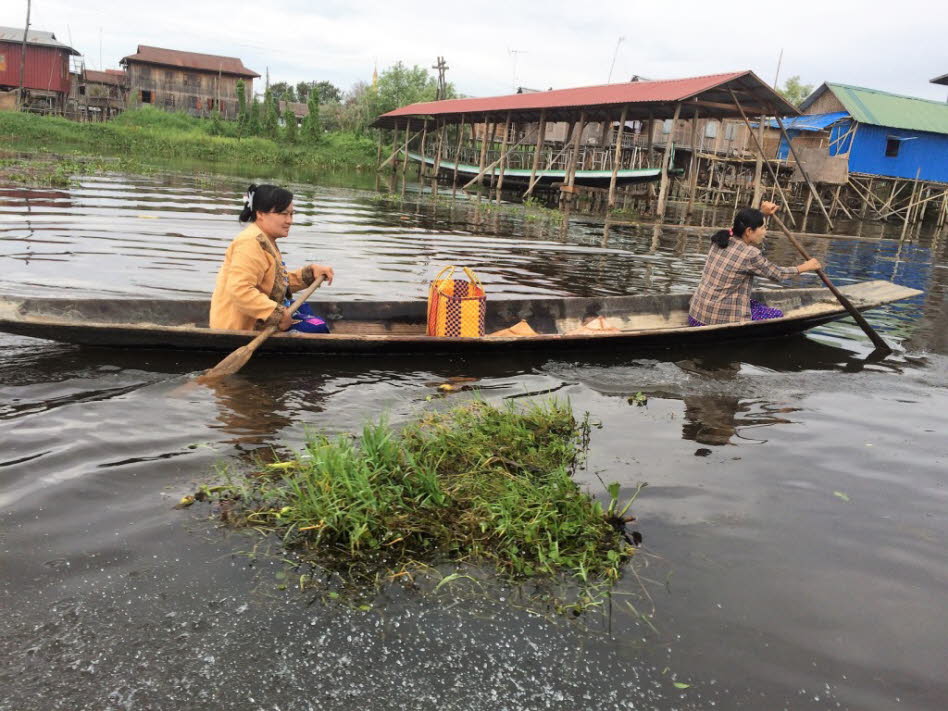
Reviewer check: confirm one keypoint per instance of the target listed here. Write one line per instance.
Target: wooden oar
(853, 311)
(238, 359)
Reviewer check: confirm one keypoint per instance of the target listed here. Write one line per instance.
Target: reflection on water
(805, 549)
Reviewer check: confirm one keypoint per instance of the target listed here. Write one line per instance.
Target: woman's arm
(301, 278)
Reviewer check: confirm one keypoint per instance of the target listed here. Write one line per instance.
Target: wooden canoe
(399, 326)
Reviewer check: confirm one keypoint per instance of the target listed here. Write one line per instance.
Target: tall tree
(289, 118)
(283, 92)
(268, 124)
(242, 116)
(312, 127)
(327, 91)
(794, 91)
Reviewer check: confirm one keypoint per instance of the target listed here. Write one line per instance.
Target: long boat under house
(519, 139)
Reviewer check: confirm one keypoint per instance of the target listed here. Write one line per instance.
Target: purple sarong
(759, 312)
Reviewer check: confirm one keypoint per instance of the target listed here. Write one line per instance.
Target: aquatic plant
(478, 484)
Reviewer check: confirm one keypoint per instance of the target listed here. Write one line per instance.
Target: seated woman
(253, 284)
(723, 294)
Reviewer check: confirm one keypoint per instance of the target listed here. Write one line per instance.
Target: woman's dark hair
(748, 218)
(264, 198)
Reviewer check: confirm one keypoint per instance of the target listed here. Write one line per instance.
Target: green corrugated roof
(892, 110)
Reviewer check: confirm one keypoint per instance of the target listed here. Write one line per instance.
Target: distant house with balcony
(98, 96)
(195, 83)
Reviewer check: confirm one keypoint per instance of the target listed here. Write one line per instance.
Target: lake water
(799, 564)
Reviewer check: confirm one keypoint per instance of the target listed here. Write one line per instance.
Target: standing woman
(253, 284)
(724, 292)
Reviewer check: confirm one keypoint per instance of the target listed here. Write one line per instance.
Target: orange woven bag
(456, 307)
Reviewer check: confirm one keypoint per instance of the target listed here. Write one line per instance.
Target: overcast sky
(491, 46)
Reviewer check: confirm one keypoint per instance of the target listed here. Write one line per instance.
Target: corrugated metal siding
(928, 151)
(46, 68)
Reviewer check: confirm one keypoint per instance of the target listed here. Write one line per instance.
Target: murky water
(799, 565)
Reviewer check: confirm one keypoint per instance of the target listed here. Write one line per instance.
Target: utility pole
(514, 53)
(614, 54)
(441, 68)
(19, 97)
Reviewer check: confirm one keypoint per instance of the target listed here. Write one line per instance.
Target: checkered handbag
(456, 307)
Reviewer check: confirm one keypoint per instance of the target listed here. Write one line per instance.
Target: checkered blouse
(723, 294)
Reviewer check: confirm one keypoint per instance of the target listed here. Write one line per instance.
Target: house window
(730, 131)
(711, 129)
(667, 126)
(892, 146)
(146, 96)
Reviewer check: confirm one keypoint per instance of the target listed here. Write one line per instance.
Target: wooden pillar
(457, 159)
(437, 163)
(574, 156)
(617, 157)
(405, 155)
(666, 159)
(759, 166)
(483, 160)
(693, 169)
(503, 158)
(423, 163)
(537, 151)
(908, 209)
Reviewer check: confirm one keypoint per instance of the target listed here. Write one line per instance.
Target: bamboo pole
(437, 163)
(577, 136)
(908, 209)
(556, 158)
(666, 159)
(693, 168)
(617, 157)
(760, 150)
(405, 156)
(538, 149)
(457, 159)
(803, 172)
(483, 159)
(758, 167)
(503, 158)
(423, 163)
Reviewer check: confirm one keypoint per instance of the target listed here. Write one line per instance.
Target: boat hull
(399, 327)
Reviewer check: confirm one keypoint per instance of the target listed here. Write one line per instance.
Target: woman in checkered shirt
(723, 294)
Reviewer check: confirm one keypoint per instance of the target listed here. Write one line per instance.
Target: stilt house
(46, 78)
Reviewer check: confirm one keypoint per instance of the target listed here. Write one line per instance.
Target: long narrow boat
(399, 326)
(592, 178)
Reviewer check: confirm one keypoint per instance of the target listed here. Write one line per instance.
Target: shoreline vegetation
(481, 486)
(146, 134)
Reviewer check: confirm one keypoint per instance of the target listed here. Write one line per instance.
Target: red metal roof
(667, 92)
(190, 60)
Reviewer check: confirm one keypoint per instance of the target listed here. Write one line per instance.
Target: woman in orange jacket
(253, 284)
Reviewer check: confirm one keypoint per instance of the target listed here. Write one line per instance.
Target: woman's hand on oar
(853, 311)
(238, 359)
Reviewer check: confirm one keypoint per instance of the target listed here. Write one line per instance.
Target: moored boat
(399, 326)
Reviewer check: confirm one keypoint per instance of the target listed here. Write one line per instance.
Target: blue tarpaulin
(814, 122)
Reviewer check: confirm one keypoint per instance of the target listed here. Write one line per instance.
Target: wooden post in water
(405, 156)
(537, 151)
(503, 158)
(666, 159)
(617, 157)
(483, 160)
(437, 163)
(908, 208)
(457, 159)
(423, 163)
(693, 169)
(573, 158)
(759, 166)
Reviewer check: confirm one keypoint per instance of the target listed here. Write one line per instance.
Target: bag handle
(472, 277)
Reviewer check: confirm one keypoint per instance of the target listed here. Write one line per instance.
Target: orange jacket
(252, 283)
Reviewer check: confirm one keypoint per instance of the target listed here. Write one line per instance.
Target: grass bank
(477, 484)
(148, 133)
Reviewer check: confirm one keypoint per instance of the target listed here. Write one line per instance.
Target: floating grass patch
(478, 484)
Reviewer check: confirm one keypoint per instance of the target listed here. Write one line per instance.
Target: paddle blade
(230, 365)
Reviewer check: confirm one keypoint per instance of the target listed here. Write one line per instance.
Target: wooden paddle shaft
(853, 311)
